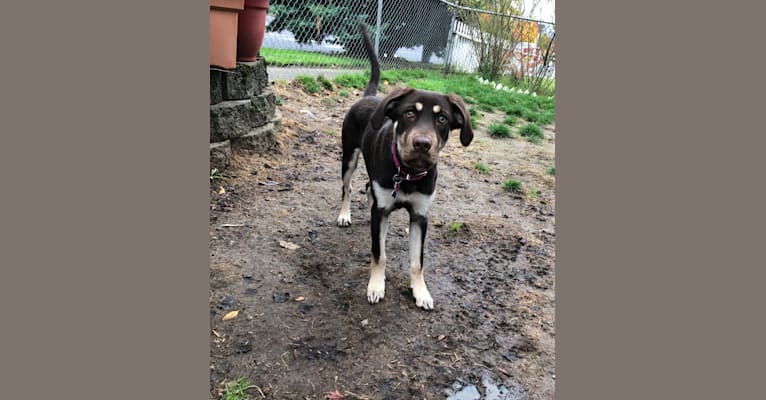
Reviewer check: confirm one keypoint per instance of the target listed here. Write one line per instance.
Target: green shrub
(552, 170)
(510, 120)
(531, 132)
(543, 117)
(515, 110)
(455, 227)
(309, 83)
(486, 107)
(500, 130)
(356, 81)
(512, 185)
(482, 168)
(325, 83)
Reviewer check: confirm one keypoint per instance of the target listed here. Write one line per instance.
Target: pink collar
(402, 175)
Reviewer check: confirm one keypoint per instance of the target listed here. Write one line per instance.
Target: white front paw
(422, 297)
(376, 289)
(344, 219)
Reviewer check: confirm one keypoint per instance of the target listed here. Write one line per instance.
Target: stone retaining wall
(243, 114)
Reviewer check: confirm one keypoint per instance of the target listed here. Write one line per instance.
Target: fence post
(450, 43)
(377, 27)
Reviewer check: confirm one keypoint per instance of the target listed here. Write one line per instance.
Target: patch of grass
(540, 109)
(455, 227)
(278, 101)
(486, 107)
(531, 132)
(326, 83)
(552, 170)
(283, 57)
(474, 122)
(482, 168)
(309, 83)
(356, 81)
(528, 114)
(510, 120)
(343, 93)
(500, 130)
(236, 390)
(512, 185)
(533, 192)
(515, 110)
(332, 132)
(544, 117)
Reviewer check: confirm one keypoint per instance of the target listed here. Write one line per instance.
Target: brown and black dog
(400, 137)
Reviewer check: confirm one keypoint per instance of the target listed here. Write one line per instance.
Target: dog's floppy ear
(386, 107)
(461, 120)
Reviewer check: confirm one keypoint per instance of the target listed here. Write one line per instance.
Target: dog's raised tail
(372, 85)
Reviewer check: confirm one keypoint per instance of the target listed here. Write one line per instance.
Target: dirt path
(304, 327)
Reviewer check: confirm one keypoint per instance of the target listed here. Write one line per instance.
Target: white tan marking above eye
(418, 106)
(437, 108)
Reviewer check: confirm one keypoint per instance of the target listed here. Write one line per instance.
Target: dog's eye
(409, 114)
(441, 119)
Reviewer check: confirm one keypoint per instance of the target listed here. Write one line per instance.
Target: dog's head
(422, 122)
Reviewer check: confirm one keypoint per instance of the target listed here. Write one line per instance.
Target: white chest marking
(420, 202)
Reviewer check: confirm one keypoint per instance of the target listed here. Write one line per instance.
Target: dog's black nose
(422, 144)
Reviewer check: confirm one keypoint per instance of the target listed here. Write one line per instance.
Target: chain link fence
(322, 36)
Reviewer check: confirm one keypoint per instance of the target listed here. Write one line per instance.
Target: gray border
(659, 198)
(104, 236)
(105, 228)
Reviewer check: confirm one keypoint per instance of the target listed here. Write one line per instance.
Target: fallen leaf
(288, 245)
(231, 315)
(440, 337)
(335, 396)
(365, 322)
(216, 333)
(300, 298)
(221, 190)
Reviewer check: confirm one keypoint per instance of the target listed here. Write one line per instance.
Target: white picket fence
(463, 52)
(526, 57)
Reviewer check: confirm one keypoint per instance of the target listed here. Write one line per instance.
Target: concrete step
(261, 140)
(234, 118)
(248, 79)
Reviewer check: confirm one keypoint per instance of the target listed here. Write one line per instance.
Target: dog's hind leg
(347, 170)
(368, 192)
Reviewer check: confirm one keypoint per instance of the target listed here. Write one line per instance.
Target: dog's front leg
(418, 227)
(376, 289)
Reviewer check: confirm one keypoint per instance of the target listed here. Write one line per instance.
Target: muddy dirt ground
(304, 327)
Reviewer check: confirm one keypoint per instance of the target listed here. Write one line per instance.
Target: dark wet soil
(304, 327)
